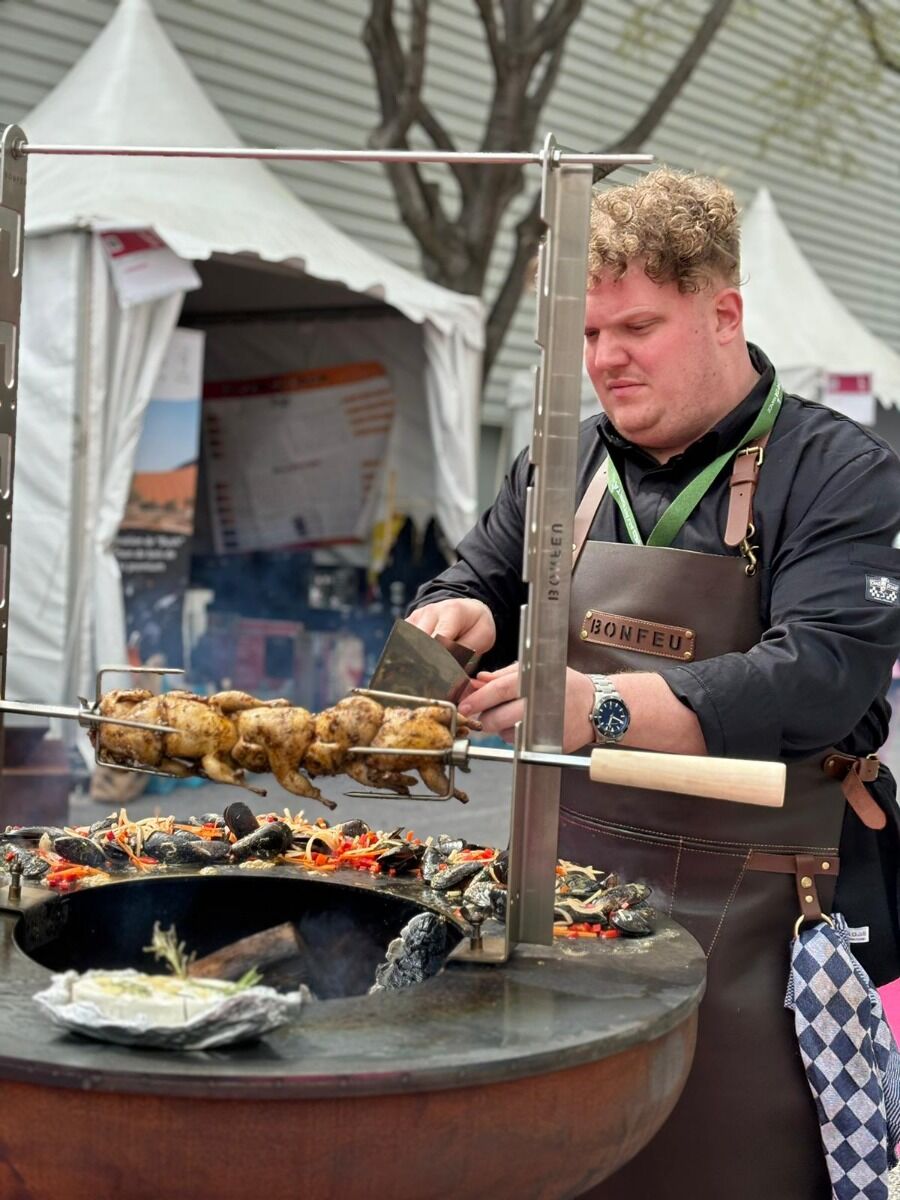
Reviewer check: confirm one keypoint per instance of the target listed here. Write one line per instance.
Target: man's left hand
(497, 704)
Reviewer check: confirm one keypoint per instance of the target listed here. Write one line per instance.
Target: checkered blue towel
(851, 1060)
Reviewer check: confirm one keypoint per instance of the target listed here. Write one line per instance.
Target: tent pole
(12, 240)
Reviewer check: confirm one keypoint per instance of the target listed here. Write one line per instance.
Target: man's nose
(605, 352)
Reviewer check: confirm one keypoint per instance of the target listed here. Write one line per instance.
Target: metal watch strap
(604, 689)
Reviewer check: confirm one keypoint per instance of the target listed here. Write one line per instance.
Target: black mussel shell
(352, 829)
(31, 833)
(623, 894)
(580, 885)
(401, 858)
(112, 851)
(268, 841)
(104, 824)
(448, 845)
(209, 818)
(485, 895)
(31, 865)
(431, 862)
(637, 922)
(453, 876)
(500, 867)
(240, 819)
(182, 847)
(82, 850)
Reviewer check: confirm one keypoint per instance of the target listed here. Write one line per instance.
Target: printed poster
(290, 459)
(153, 543)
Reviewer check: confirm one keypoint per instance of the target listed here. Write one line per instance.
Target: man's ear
(729, 310)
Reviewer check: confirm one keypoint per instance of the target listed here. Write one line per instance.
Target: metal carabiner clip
(748, 551)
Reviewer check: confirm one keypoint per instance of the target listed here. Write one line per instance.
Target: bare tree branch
(538, 97)
(869, 23)
(675, 81)
(492, 34)
(464, 173)
(399, 75)
(528, 236)
(554, 26)
(418, 201)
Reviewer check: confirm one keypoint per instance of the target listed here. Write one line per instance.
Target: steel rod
(299, 155)
(76, 714)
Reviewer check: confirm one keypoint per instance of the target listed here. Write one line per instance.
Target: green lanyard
(686, 501)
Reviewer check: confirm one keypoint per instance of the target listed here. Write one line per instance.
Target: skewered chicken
(223, 736)
(426, 728)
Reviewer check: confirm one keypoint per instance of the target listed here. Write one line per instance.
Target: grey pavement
(484, 820)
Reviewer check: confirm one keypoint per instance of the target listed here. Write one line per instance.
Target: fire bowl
(536, 1078)
(343, 931)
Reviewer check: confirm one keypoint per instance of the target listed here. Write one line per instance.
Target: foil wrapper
(238, 1017)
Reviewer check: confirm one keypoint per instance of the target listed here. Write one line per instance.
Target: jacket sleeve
(834, 627)
(489, 566)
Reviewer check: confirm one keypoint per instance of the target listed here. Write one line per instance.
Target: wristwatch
(609, 715)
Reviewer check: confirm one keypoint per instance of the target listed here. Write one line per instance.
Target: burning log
(258, 951)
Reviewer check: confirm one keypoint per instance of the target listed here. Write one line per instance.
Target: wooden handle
(744, 781)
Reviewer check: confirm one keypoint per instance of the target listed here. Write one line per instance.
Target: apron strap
(744, 478)
(854, 774)
(587, 510)
(804, 868)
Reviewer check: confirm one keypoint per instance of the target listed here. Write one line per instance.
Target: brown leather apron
(745, 1126)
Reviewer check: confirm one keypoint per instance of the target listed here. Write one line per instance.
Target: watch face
(612, 718)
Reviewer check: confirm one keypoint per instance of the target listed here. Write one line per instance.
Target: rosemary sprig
(166, 947)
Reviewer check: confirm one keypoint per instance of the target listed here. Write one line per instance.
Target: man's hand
(659, 721)
(468, 621)
(497, 704)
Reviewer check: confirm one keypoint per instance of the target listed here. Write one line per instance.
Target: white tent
(88, 361)
(802, 326)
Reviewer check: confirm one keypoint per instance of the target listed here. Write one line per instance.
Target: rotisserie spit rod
(742, 781)
(84, 716)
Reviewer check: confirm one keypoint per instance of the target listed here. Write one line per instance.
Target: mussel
(267, 841)
(81, 850)
(455, 874)
(241, 819)
(182, 847)
(31, 865)
(637, 922)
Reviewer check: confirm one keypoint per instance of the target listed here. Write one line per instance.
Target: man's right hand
(468, 621)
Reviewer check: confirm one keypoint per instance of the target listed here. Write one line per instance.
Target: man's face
(655, 358)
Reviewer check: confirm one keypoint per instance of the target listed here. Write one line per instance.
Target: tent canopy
(132, 88)
(790, 312)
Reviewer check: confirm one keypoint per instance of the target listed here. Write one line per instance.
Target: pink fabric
(890, 998)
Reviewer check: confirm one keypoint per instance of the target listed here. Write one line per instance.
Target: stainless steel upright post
(12, 250)
(547, 568)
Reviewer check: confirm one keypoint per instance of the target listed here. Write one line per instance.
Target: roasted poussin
(353, 721)
(224, 735)
(426, 728)
(282, 735)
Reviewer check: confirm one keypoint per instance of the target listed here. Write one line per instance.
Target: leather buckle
(759, 451)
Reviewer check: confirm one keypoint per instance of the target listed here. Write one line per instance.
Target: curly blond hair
(683, 229)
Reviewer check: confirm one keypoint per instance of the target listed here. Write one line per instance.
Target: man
(736, 593)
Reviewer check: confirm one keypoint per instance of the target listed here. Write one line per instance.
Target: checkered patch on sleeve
(882, 589)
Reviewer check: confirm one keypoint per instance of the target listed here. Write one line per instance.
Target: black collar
(721, 437)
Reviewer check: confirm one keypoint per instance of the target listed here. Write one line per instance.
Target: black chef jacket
(827, 510)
